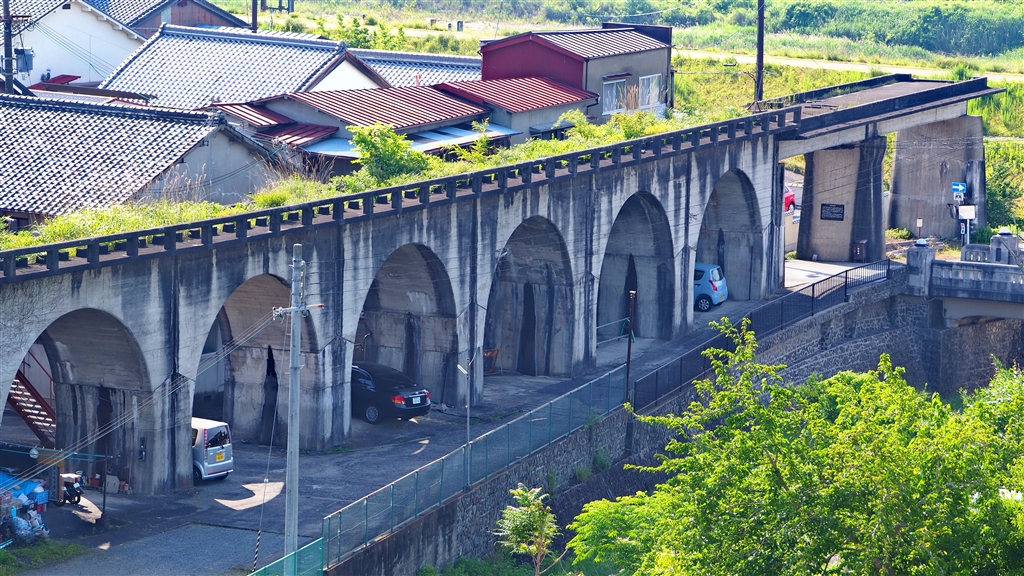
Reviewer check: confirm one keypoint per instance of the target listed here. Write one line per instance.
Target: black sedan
(379, 391)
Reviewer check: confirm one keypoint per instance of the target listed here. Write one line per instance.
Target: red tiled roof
(298, 134)
(258, 116)
(405, 107)
(518, 94)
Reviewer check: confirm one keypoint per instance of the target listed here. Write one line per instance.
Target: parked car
(788, 199)
(709, 287)
(211, 450)
(379, 391)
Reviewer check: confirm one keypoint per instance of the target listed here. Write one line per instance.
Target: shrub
(583, 473)
(270, 199)
(898, 234)
(601, 461)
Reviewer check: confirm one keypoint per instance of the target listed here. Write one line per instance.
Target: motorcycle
(71, 492)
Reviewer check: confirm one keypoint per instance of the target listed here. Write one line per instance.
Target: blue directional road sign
(959, 187)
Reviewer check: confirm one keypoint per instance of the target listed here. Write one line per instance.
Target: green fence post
(508, 446)
(440, 491)
(392, 507)
(571, 394)
(366, 520)
(416, 495)
(550, 411)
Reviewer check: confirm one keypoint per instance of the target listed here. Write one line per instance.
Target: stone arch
(732, 236)
(88, 368)
(248, 387)
(638, 256)
(408, 321)
(530, 309)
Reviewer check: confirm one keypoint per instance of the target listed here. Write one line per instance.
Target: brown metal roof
(402, 108)
(257, 116)
(298, 134)
(518, 94)
(588, 44)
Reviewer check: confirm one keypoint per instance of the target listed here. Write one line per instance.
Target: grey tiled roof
(62, 155)
(400, 68)
(192, 67)
(132, 12)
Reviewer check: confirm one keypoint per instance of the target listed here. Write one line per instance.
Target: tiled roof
(132, 12)
(402, 108)
(192, 67)
(589, 44)
(298, 134)
(401, 68)
(62, 155)
(518, 94)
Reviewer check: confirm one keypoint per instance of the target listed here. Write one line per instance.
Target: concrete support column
(868, 218)
(928, 159)
(842, 202)
(919, 263)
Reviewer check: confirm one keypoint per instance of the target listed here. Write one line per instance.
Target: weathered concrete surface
(928, 159)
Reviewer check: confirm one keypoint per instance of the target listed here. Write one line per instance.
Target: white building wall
(79, 41)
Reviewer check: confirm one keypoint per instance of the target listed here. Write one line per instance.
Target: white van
(211, 450)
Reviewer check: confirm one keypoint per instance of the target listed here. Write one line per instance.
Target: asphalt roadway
(212, 528)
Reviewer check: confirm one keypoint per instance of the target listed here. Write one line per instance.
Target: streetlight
(468, 392)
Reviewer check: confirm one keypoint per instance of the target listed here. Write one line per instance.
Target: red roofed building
(529, 106)
(628, 66)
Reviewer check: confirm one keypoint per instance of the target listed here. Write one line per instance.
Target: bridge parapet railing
(90, 252)
(977, 280)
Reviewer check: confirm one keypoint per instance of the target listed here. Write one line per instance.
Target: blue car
(709, 287)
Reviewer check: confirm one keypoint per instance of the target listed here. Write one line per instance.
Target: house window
(650, 91)
(614, 98)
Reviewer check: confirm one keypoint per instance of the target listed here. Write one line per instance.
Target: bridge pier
(842, 203)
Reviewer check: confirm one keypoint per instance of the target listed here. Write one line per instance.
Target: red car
(788, 199)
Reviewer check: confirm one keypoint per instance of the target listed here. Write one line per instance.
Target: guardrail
(216, 232)
(423, 489)
(764, 320)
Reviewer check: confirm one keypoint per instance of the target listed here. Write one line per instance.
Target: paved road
(211, 529)
(836, 65)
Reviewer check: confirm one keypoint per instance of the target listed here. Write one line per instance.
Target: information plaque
(833, 212)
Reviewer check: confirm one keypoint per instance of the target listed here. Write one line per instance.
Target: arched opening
(248, 387)
(638, 257)
(731, 235)
(530, 309)
(409, 323)
(84, 375)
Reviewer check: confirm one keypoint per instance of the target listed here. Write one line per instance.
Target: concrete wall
(928, 159)
(225, 170)
(90, 45)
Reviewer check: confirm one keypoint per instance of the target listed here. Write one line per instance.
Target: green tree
(385, 154)
(529, 528)
(854, 474)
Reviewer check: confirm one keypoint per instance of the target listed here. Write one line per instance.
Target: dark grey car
(380, 391)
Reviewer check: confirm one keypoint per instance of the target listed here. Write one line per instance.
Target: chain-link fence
(306, 561)
(413, 494)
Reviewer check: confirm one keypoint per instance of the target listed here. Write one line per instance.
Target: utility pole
(8, 50)
(759, 73)
(629, 347)
(291, 498)
(255, 16)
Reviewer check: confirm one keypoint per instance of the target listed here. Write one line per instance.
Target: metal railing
(764, 320)
(613, 331)
(306, 561)
(383, 511)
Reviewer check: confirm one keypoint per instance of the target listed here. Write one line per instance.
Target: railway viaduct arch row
(529, 269)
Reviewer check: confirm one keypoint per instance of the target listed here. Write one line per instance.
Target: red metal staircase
(33, 409)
